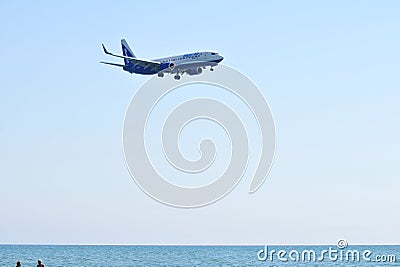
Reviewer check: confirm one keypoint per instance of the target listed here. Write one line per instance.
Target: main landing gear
(177, 77)
(160, 74)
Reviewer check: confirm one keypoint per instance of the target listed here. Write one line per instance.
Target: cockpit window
(212, 53)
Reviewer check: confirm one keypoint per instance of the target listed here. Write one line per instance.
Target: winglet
(105, 50)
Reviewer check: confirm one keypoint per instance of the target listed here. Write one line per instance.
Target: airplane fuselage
(182, 63)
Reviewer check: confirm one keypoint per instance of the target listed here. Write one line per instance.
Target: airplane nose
(220, 58)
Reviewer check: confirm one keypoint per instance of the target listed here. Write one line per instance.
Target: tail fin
(126, 51)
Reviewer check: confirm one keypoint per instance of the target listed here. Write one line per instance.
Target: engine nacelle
(195, 71)
(167, 65)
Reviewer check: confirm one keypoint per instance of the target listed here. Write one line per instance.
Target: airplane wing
(140, 62)
(113, 64)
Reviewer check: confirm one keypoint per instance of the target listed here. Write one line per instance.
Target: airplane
(192, 64)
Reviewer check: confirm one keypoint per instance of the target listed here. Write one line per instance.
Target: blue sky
(329, 70)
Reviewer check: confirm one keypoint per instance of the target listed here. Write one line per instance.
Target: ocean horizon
(199, 255)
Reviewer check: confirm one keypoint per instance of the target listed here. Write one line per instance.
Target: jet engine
(195, 71)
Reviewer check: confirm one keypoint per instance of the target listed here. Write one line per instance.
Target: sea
(166, 255)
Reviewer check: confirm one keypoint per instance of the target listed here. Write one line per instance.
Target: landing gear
(211, 69)
(161, 74)
(177, 77)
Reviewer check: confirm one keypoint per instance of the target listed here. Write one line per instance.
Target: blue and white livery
(191, 64)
